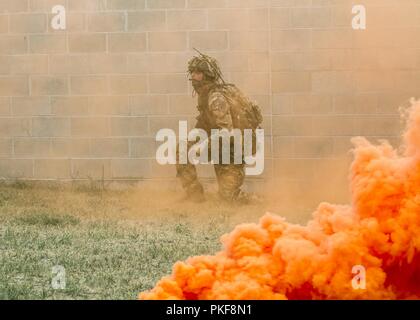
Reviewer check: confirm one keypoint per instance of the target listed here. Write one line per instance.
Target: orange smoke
(278, 260)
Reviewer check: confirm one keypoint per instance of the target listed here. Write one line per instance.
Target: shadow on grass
(46, 219)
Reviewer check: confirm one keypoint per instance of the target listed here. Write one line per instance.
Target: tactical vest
(245, 113)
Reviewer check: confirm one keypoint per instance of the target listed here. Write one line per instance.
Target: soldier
(221, 106)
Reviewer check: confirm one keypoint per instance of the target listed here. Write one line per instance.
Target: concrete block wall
(86, 102)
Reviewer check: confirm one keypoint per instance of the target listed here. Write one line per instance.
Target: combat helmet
(207, 65)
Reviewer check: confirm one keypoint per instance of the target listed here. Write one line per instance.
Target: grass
(112, 244)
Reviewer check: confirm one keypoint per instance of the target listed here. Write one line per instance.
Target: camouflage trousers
(230, 178)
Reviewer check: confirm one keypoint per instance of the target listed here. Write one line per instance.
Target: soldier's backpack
(245, 113)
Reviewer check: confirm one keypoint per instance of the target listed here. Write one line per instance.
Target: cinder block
(31, 147)
(29, 64)
(405, 81)
(89, 85)
(206, 4)
(91, 168)
(342, 147)
(167, 62)
(312, 104)
(333, 38)
(106, 22)
(280, 18)
(4, 106)
(389, 103)
(340, 125)
(47, 43)
(125, 4)
(283, 147)
(6, 146)
(127, 42)
(334, 82)
(248, 3)
(109, 105)
(143, 148)
(127, 84)
(90, 127)
(28, 23)
(146, 21)
(291, 40)
(168, 83)
(313, 60)
(14, 86)
(182, 105)
(341, 16)
(49, 85)
(283, 82)
(311, 17)
(167, 41)
(252, 83)
(130, 168)
(13, 44)
(366, 81)
(230, 61)
(148, 105)
(313, 147)
(110, 148)
(146, 62)
(229, 19)
(378, 126)
(69, 106)
(87, 5)
(292, 126)
(15, 127)
(259, 61)
(157, 123)
(91, 42)
(284, 61)
(282, 104)
(70, 147)
(249, 40)
(4, 24)
(356, 104)
(103, 63)
(209, 40)
(400, 15)
(186, 20)
(44, 5)
(69, 64)
(16, 168)
(165, 4)
(343, 59)
(31, 106)
(259, 19)
(129, 126)
(13, 6)
(52, 169)
(50, 127)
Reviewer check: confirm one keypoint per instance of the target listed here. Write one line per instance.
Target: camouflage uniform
(215, 113)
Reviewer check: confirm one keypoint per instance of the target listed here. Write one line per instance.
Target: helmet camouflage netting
(207, 65)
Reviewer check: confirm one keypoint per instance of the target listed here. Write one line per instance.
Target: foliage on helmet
(207, 65)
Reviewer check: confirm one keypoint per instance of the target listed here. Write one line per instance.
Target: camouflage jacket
(225, 107)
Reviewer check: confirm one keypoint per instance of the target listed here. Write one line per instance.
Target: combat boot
(195, 194)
